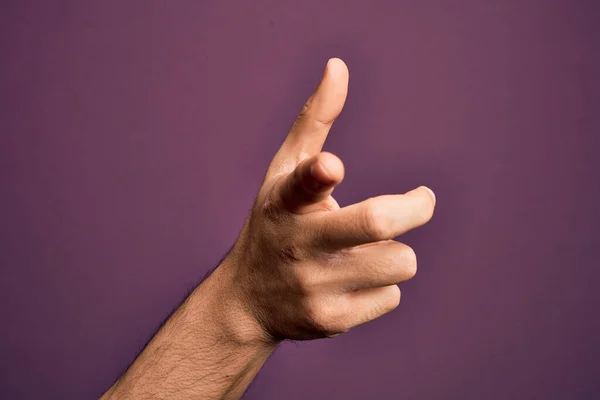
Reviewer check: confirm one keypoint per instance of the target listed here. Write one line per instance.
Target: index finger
(378, 218)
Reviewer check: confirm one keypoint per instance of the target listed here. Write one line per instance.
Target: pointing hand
(304, 268)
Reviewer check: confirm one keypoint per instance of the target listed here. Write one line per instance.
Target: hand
(304, 268)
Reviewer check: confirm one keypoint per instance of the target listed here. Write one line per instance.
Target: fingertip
(336, 62)
(336, 66)
(418, 192)
(328, 169)
(430, 193)
(320, 174)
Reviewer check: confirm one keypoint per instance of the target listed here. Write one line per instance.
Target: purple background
(134, 136)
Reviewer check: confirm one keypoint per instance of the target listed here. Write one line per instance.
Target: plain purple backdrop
(135, 135)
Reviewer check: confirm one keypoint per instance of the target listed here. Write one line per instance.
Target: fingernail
(430, 192)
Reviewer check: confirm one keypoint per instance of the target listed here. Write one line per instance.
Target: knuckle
(270, 209)
(302, 114)
(374, 221)
(288, 254)
(317, 316)
(322, 318)
(269, 204)
(306, 106)
(305, 281)
(342, 327)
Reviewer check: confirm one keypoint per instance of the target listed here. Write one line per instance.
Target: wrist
(217, 302)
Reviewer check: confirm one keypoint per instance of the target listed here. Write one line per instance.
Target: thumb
(309, 132)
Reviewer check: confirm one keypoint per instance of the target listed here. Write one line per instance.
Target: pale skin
(302, 268)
